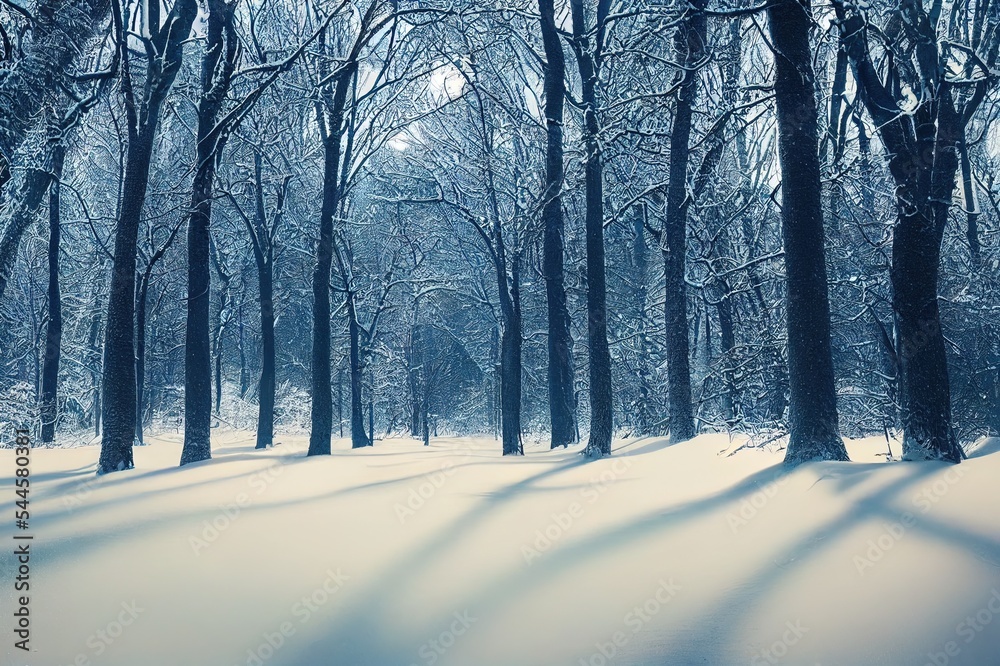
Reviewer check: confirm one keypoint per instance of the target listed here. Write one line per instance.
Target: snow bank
(403, 555)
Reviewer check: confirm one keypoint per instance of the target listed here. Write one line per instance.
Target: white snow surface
(402, 555)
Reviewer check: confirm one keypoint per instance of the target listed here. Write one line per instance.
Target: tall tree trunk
(198, 356)
(119, 381)
(53, 329)
(262, 241)
(415, 372)
(924, 146)
(140, 355)
(119, 386)
(371, 411)
(601, 409)
(689, 46)
(217, 68)
(241, 348)
(358, 437)
(728, 335)
(322, 398)
(560, 370)
(266, 391)
(340, 400)
(495, 381)
(330, 114)
(812, 421)
(510, 365)
(640, 262)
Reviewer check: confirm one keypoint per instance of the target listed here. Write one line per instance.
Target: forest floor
(403, 555)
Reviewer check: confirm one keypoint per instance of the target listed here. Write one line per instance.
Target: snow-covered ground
(403, 555)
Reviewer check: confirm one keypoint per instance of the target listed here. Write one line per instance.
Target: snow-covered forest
(689, 256)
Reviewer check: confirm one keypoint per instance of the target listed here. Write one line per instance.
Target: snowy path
(403, 555)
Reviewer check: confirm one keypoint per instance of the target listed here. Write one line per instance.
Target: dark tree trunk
(689, 46)
(560, 370)
(119, 381)
(601, 424)
(340, 400)
(417, 388)
(119, 386)
(217, 68)
(218, 375)
(644, 418)
(510, 366)
(424, 420)
(371, 412)
(140, 356)
(495, 416)
(925, 393)
(924, 146)
(198, 354)
(358, 437)
(728, 335)
(322, 398)
(266, 391)
(330, 117)
(812, 421)
(262, 242)
(53, 329)
(241, 346)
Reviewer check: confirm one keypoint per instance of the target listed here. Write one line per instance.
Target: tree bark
(644, 417)
(690, 40)
(53, 329)
(924, 147)
(560, 370)
(140, 355)
(510, 364)
(119, 382)
(601, 419)
(812, 422)
(358, 437)
(262, 243)
(322, 397)
(218, 64)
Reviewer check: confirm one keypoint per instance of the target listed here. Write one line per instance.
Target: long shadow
(45, 477)
(708, 640)
(130, 476)
(83, 544)
(359, 640)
